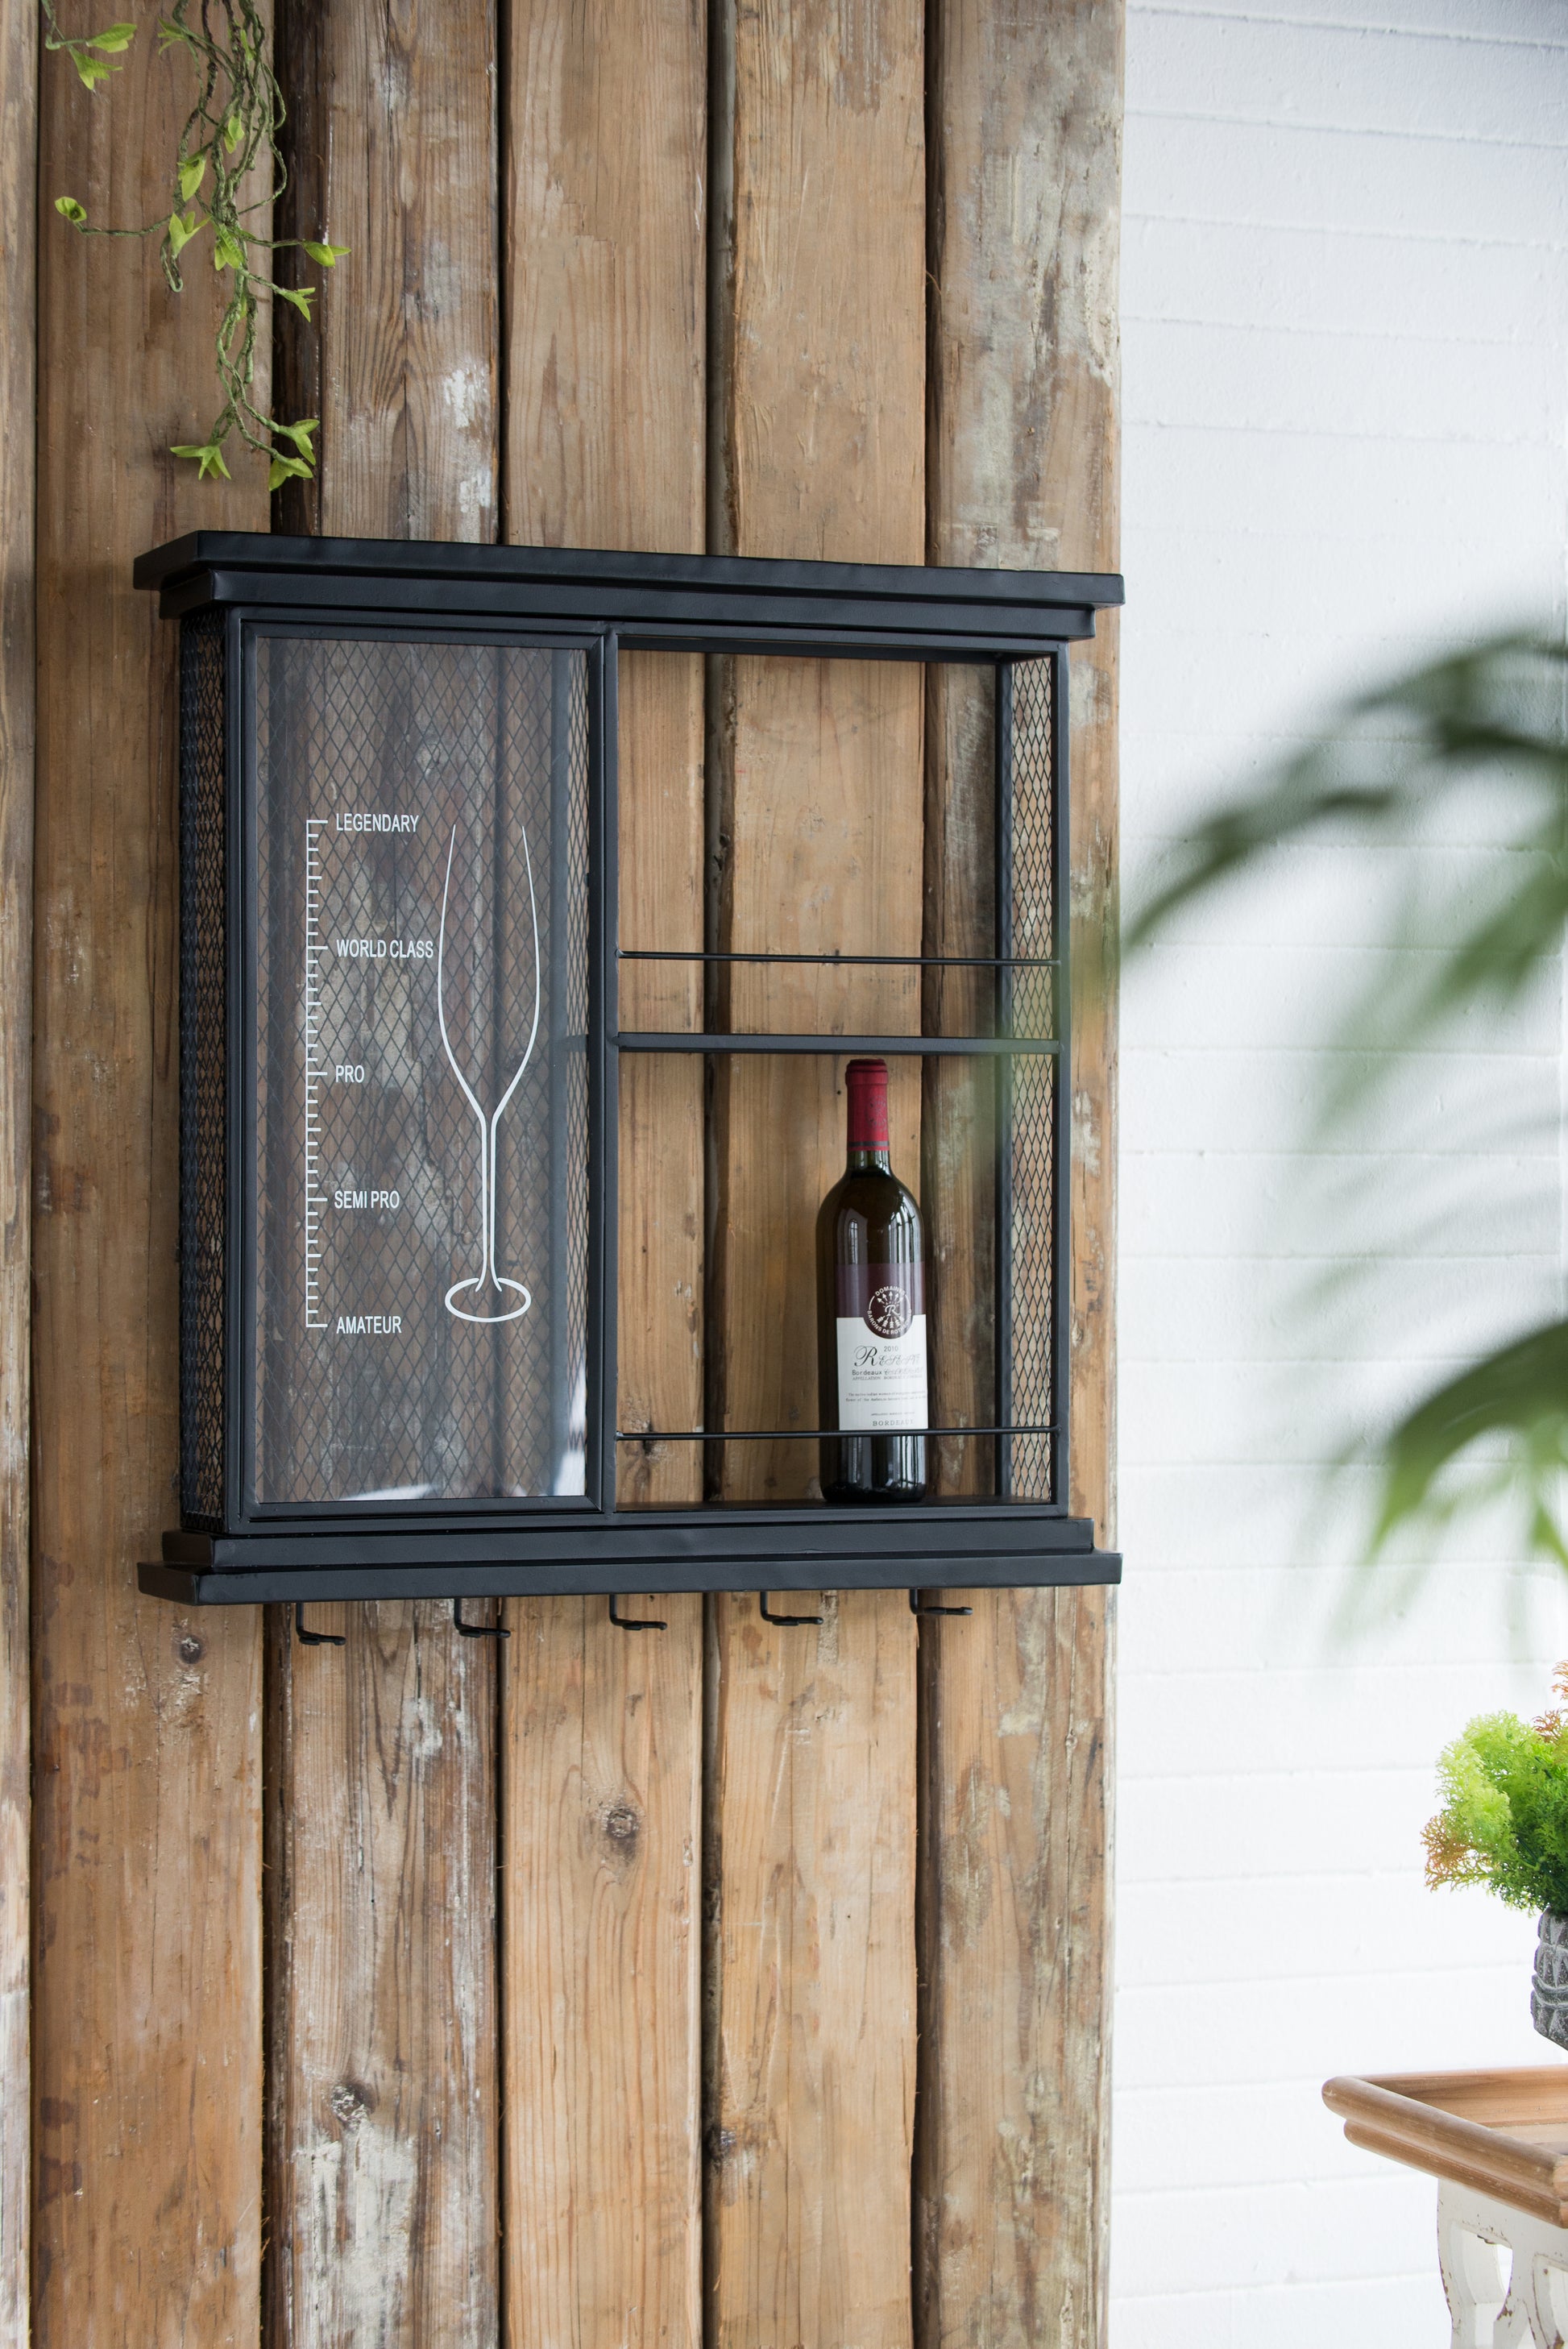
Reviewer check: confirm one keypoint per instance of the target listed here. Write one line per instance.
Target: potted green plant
(1504, 1824)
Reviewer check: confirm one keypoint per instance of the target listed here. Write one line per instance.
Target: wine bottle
(870, 1314)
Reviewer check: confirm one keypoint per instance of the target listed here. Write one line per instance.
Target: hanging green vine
(237, 117)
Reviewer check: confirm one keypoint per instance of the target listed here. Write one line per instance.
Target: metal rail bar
(901, 962)
(808, 1434)
(676, 1039)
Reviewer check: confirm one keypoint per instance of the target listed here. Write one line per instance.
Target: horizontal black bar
(808, 1434)
(775, 586)
(942, 1532)
(673, 1040)
(901, 962)
(641, 619)
(971, 647)
(846, 1569)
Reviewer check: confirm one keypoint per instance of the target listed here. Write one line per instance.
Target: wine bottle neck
(866, 1084)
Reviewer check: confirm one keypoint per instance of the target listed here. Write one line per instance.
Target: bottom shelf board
(959, 1546)
(261, 1586)
(1502, 2133)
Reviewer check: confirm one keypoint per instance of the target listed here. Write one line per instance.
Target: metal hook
(916, 1608)
(314, 1638)
(632, 1623)
(477, 1630)
(769, 1617)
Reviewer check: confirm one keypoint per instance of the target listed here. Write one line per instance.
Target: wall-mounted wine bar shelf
(405, 1345)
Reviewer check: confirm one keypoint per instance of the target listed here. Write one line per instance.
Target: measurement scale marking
(315, 1196)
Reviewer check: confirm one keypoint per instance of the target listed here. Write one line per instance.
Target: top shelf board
(653, 602)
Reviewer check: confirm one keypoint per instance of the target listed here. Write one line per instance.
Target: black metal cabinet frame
(231, 590)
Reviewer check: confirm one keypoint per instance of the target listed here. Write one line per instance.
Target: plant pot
(1549, 1990)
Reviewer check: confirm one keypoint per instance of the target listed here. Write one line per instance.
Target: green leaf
(300, 296)
(171, 34)
(233, 130)
(1520, 1391)
(300, 433)
(114, 38)
(182, 230)
(328, 254)
(228, 253)
(193, 171)
(69, 209)
(207, 455)
(92, 69)
(286, 469)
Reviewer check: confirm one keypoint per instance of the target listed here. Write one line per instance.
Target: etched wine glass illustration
(488, 1283)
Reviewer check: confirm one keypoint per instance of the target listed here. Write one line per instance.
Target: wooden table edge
(1380, 2118)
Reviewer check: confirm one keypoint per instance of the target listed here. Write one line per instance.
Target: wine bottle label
(881, 1348)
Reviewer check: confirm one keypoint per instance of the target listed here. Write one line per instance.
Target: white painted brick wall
(1345, 314)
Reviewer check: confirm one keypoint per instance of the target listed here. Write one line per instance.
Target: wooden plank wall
(18, 228)
(603, 1728)
(1011, 2183)
(383, 2107)
(146, 2050)
(593, 1964)
(818, 450)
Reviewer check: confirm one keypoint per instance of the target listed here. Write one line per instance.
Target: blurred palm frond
(1493, 719)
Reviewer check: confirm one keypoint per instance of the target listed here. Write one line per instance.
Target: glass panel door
(421, 1072)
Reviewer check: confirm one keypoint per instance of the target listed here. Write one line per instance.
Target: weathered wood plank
(605, 241)
(1010, 2178)
(147, 1817)
(393, 151)
(817, 335)
(602, 1936)
(659, 1361)
(810, 1975)
(382, 2104)
(18, 294)
(1011, 2183)
(382, 2096)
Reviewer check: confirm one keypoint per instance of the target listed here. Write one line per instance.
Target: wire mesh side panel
(1030, 1081)
(958, 1192)
(203, 1062)
(421, 1071)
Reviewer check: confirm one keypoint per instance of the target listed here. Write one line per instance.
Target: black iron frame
(601, 605)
